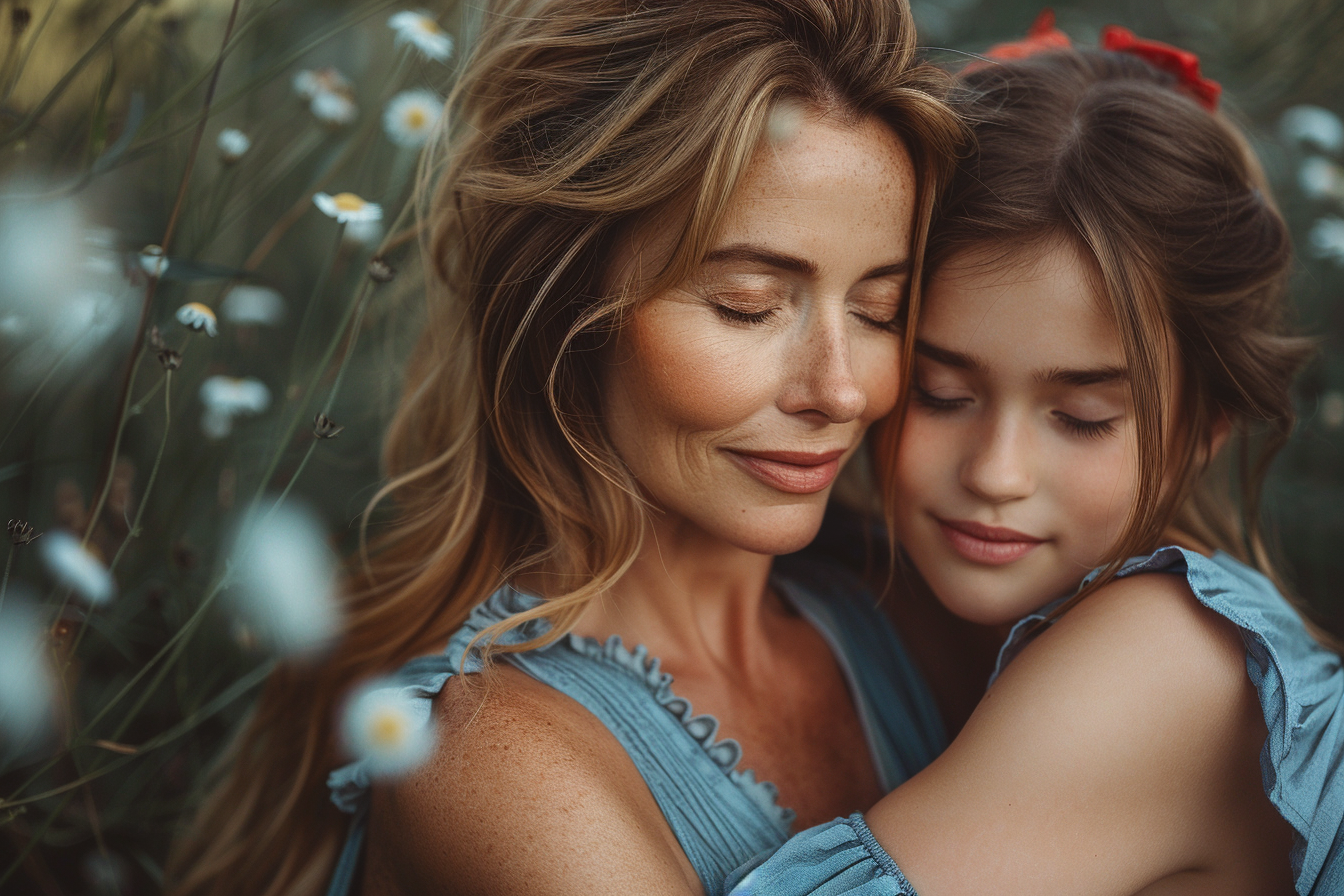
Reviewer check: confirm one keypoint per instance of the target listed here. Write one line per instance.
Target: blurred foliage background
(131, 442)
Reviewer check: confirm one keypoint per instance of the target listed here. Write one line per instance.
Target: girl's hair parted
(573, 122)
(1109, 154)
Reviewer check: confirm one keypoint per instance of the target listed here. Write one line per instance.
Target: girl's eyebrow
(1082, 376)
(746, 252)
(1087, 376)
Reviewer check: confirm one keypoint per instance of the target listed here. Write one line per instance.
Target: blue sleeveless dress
(720, 814)
(1301, 690)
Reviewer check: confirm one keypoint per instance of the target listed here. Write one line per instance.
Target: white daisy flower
(330, 96)
(251, 305)
(1314, 127)
(410, 117)
(310, 83)
(387, 726)
(76, 567)
(421, 31)
(333, 108)
(1332, 410)
(28, 692)
(1326, 239)
(198, 317)
(226, 398)
(347, 208)
(152, 261)
(233, 144)
(285, 591)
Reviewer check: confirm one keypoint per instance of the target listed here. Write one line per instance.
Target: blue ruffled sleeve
(839, 858)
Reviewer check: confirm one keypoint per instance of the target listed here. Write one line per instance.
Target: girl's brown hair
(1106, 152)
(573, 122)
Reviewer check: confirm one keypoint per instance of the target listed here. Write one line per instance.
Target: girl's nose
(998, 466)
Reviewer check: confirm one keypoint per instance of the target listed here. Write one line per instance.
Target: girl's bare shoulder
(526, 791)
(1119, 746)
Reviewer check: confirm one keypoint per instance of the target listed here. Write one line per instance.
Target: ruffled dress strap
(721, 815)
(1300, 685)
(839, 858)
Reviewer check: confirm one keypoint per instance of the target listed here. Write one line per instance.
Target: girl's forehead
(1034, 306)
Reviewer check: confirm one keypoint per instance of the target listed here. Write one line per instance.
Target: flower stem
(4, 582)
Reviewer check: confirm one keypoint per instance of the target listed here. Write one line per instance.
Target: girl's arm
(1117, 750)
(526, 793)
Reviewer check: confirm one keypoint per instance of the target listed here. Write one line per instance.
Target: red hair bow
(1181, 63)
(1041, 37)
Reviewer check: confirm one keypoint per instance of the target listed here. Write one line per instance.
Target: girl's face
(1017, 466)
(736, 396)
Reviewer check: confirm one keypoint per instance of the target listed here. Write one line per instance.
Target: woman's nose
(997, 467)
(821, 377)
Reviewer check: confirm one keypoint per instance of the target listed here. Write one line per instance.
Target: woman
(668, 243)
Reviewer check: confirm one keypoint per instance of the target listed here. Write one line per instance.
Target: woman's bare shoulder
(526, 791)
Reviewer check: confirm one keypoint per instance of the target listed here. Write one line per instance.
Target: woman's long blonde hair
(573, 122)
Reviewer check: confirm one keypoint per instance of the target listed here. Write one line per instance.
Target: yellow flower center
(416, 119)
(348, 202)
(387, 730)
(428, 25)
(202, 310)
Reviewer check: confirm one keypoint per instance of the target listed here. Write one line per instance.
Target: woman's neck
(688, 595)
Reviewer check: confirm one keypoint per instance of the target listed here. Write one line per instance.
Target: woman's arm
(526, 793)
(1117, 750)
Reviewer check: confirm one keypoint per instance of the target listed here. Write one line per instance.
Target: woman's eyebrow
(746, 252)
(761, 255)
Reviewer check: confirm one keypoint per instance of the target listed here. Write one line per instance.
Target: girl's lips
(795, 472)
(989, 545)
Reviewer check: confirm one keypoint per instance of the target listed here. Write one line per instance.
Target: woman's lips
(795, 472)
(989, 545)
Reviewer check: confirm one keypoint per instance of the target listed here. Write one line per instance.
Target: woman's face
(1017, 466)
(736, 396)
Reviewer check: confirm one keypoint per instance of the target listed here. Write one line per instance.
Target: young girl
(1103, 328)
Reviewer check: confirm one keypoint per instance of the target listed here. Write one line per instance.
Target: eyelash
(1086, 429)
(736, 315)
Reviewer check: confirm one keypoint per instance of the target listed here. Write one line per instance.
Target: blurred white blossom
(1326, 239)
(76, 567)
(251, 305)
(348, 208)
(330, 96)
(62, 285)
(198, 317)
(364, 233)
(152, 261)
(421, 31)
(1314, 127)
(233, 144)
(410, 117)
(388, 727)
(1320, 178)
(285, 586)
(227, 398)
(28, 693)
